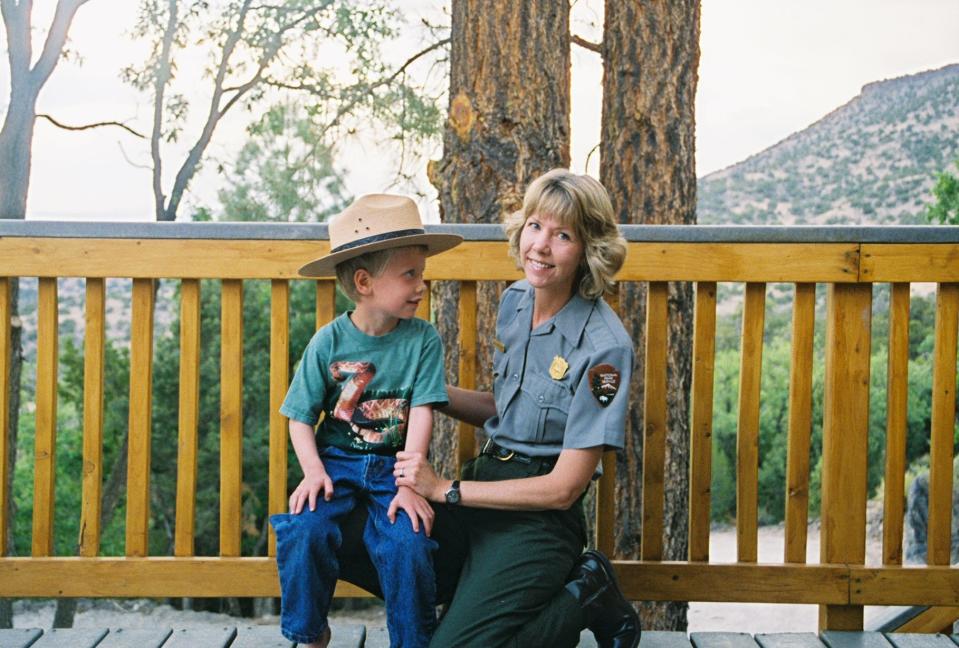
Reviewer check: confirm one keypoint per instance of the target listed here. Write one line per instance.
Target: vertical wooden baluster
(279, 380)
(94, 344)
(845, 435)
(800, 422)
(701, 422)
(189, 418)
(943, 425)
(231, 417)
(467, 368)
(141, 390)
(606, 506)
(5, 311)
(606, 488)
(44, 475)
(654, 429)
(747, 435)
(325, 302)
(423, 310)
(897, 400)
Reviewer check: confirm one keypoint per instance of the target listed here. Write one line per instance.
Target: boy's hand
(415, 506)
(306, 492)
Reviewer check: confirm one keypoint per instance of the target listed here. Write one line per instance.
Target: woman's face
(551, 254)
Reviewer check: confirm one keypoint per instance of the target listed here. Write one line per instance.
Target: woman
(561, 371)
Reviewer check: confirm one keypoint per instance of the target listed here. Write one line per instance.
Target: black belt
(492, 449)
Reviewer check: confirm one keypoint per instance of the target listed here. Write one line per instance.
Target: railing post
(466, 448)
(45, 440)
(5, 303)
(140, 421)
(845, 435)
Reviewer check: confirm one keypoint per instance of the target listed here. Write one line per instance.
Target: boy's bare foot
(323, 642)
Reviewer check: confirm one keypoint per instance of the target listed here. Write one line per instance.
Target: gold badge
(499, 345)
(559, 368)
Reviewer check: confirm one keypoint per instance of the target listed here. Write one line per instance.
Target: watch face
(453, 496)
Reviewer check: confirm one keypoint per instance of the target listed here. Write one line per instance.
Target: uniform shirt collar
(570, 320)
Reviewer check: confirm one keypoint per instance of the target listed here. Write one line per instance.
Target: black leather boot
(610, 617)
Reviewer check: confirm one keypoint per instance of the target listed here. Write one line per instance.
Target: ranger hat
(376, 222)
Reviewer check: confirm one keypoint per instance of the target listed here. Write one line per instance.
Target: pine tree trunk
(651, 52)
(508, 123)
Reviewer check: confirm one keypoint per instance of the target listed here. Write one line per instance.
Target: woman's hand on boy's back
(307, 491)
(415, 506)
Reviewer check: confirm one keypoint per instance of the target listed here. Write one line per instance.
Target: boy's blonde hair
(373, 262)
(582, 204)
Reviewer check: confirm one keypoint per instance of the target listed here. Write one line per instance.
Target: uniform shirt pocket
(551, 400)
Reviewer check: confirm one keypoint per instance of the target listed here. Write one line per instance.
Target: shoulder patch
(604, 383)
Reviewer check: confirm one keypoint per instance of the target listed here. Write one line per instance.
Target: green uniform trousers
(505, 571)
(511, 590)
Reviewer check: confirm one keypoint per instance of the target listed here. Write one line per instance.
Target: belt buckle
(496, 451)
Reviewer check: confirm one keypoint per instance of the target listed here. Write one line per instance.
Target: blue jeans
(306, 546)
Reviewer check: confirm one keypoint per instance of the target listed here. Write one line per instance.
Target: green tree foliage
(284, 172)
(256, 411)
(165, 423)
(70, 452)
(945, 209)
(774, 399)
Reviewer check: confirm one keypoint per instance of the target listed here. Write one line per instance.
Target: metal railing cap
(485, 232)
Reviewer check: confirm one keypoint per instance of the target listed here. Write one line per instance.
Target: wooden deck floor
(356, 636)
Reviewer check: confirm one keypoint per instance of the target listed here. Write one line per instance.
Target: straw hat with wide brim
(376, 222)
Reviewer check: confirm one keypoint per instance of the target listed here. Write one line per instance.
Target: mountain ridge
(874, 160)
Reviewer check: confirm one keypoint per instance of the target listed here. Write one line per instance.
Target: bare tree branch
(217, 112)
(56, 38)
(90, 126)
(585, 44)
(438, 44)
(348, 107)
(188, 168)
(313, 89)
(268, 58)
(135, 165)
(162, 78)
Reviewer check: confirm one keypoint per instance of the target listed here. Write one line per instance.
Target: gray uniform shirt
(564, 384)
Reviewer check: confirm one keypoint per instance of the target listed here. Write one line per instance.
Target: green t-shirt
(365, 385)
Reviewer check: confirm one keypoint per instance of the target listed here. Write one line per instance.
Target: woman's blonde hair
(582, 204)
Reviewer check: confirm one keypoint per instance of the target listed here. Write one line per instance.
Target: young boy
(371, 378)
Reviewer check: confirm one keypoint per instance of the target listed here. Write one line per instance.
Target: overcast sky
(767, 70)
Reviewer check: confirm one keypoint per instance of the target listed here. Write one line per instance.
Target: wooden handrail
(847, 260)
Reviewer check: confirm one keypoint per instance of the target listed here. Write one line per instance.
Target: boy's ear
(363, 281)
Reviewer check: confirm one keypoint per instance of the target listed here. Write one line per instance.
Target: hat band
(376, 239)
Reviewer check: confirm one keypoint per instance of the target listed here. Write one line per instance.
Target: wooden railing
(848, 260)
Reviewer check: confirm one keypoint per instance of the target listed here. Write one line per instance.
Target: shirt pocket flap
(546, 392)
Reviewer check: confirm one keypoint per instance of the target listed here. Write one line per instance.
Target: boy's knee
(309, 528)
(403, 541)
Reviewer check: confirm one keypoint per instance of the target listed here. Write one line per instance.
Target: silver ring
(402, 473)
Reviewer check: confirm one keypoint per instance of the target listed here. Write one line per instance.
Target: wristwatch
(453, 494)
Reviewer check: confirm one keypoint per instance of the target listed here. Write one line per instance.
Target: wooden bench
(847, 260)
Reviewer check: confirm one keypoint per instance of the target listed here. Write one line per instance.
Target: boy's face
(398, 290)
